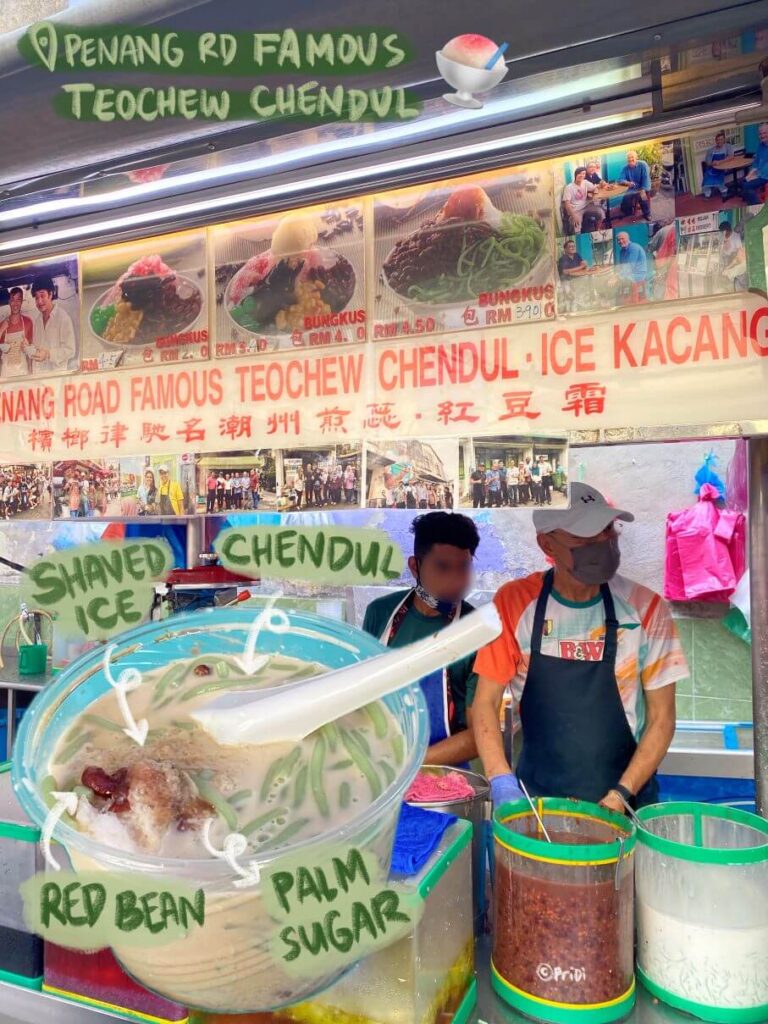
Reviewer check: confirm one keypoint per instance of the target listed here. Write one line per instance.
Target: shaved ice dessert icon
(464, 63)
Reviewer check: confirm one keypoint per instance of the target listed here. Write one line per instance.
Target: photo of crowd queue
(228, 482)
(722, 169)
(86, 490)
(320, 479)
(411, 475)
(39, 319)
(619, 187)
(513, 473)
(24, 492)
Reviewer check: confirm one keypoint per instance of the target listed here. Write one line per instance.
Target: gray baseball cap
(588, 515)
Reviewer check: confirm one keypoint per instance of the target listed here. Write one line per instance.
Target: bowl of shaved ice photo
(296, 281)
(463, 63)
(159, 809)
(149, 300)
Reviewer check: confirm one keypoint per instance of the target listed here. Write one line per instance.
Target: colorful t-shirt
(649, 655)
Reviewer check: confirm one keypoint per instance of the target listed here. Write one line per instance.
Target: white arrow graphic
(272, 619)
(128, 681)
(235, 846)
(65, 803)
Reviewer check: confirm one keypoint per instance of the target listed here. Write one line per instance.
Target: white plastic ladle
(292, 712)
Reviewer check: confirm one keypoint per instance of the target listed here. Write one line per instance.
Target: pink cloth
(431, 789)
(705, 551)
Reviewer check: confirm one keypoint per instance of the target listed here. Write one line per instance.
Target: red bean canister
(564, 911)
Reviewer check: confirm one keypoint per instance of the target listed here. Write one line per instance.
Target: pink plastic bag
(705, 551)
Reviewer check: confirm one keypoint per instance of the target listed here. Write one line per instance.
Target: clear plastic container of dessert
(425, 978)
(285, 800)
(702, 910)
(21, 953)
(473, 806)
(563, 911)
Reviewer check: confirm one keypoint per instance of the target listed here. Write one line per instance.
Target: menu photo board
(39, 318)
(290, 281)
(145, 302)
(465, 253)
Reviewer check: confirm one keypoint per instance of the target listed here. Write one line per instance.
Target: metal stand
(758, 577)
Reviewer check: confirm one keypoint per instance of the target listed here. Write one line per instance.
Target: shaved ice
(472, 50)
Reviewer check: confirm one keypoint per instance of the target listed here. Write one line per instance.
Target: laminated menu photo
(39, 318)
(145, 303)
(469, 252)
(290, 281)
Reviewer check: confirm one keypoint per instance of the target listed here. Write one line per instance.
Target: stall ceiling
(560, 35)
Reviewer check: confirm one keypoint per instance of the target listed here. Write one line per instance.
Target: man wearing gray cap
(591, 659)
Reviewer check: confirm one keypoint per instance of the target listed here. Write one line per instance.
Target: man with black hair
(53, 332)
(444, 545)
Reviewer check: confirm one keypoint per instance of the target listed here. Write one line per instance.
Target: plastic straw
(499, 53)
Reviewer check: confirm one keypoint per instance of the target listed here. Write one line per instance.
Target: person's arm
(177, 499)
(455, 749)
(645, 185)
(486, 725)
(652, 748)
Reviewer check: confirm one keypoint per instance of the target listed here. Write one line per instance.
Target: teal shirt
(416, 626)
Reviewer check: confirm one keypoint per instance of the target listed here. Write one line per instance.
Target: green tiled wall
(720, 686)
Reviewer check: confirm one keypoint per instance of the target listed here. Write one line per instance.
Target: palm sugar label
(334, 908)
(87, 912)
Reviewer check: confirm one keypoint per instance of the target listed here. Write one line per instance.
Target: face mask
(596, 563)
(445, 608)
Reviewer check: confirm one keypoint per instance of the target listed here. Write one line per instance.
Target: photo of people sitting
(615, 188)
(712, 259)
(25, 492)
(411, 474)
(724, 168)
(39, 318)
(327, 478)
(585, 273)
(236, 482)
(86, 489)
(513, 472)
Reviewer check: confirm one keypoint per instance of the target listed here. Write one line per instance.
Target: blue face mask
(444, 608)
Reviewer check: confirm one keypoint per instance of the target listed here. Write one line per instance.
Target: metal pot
(476, 809)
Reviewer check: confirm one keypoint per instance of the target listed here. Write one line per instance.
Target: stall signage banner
(698, 362)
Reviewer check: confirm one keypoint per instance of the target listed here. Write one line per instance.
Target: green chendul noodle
(289, 832)
(345, 795)
(217, 800)
(388, 772)
(487, 265)
(378, 720)
(74, 747)
(263, 819)
(361, 759)
(300, 787)
(316, 777)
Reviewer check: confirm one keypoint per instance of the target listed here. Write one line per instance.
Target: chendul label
(98, 590)
(313, 554)
(336, 908)
(86, 912)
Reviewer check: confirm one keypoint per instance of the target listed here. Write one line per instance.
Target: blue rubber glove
(504, 789)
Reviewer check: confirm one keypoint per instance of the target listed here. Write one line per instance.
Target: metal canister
(477, 809)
